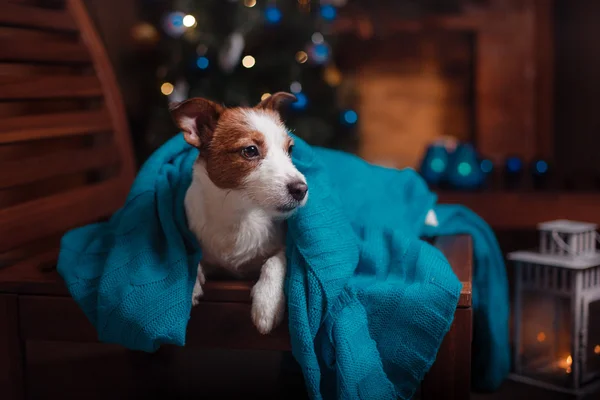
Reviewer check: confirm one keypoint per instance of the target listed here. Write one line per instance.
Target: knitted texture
(368, 301)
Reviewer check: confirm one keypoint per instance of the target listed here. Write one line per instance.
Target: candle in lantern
(566, 364)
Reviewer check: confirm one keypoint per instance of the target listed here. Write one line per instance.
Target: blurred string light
(167, 88)
(301, 101)
(464, 169)
(438, 165)
(328, 12)
(319, 53)
(173, 24)
(250, 3)
(332, 76)
(486, 166)
(201, 49)
(272, 14)
(248, 61)
(301, 57)
(265, 96)
(541, 167)
(514, 165)
(295, 87)
(202, 62)
(304, 5)
(189, 21)
(317, 38)
(350, 117)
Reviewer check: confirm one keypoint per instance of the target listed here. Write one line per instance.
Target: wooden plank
(60, 319)
(458, 250)
(450, 376)
(18, 15)
(29, 170)
(42, 87)
(114, 101)
(11, 359)
(506, 210)
(34, 276)
(22, 49)
(55, 214)
(44, 126)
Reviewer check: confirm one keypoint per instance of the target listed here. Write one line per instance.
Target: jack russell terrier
(243, 188)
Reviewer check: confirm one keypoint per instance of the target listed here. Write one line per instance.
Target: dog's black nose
(297, 190)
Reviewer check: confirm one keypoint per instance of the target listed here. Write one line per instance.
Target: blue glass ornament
(464, 170)
(202, 62)
(434, 164)
(301, 101)
(272, 15)
(328, 12)
(350, 117)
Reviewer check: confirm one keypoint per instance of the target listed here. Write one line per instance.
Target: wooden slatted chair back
(65, 150)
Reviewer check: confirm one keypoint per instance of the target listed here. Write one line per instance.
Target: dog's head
(246, 149)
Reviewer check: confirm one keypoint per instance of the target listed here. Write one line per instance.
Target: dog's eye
(250, 152)
(290, 149)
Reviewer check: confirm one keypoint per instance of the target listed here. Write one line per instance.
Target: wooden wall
(577, 109)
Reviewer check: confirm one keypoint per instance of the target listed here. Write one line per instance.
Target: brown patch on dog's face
(225, 163)
(246, 149)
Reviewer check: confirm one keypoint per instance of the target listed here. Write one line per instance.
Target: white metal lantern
(557, 310)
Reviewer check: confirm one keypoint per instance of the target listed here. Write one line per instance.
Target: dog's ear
(276, 101)
(197, 118)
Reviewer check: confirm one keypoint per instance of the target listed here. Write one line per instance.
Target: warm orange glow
(597, 349)
(167, 88)
(541, 337)
(566, 364)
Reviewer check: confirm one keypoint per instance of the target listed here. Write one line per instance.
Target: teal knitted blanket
(369, 302)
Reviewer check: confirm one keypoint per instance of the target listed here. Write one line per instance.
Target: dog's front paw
(197, 293)
(268, 308)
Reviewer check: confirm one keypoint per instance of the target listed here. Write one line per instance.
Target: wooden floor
(77, 371)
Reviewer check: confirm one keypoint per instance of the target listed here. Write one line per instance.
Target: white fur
(267, 184)
(237, 226)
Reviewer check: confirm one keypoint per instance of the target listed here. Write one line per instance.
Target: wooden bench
(66, 160)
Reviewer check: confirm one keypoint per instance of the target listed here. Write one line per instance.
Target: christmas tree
(237, 52)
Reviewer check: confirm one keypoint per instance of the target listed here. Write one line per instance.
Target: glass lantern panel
(545, 350)
(592, 368)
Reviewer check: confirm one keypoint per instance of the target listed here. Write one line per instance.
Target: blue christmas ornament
(434, 164)
(202, 62)
(300, 102)
(272, 15)
(328, 12)
(464, 170)
(350, 117)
